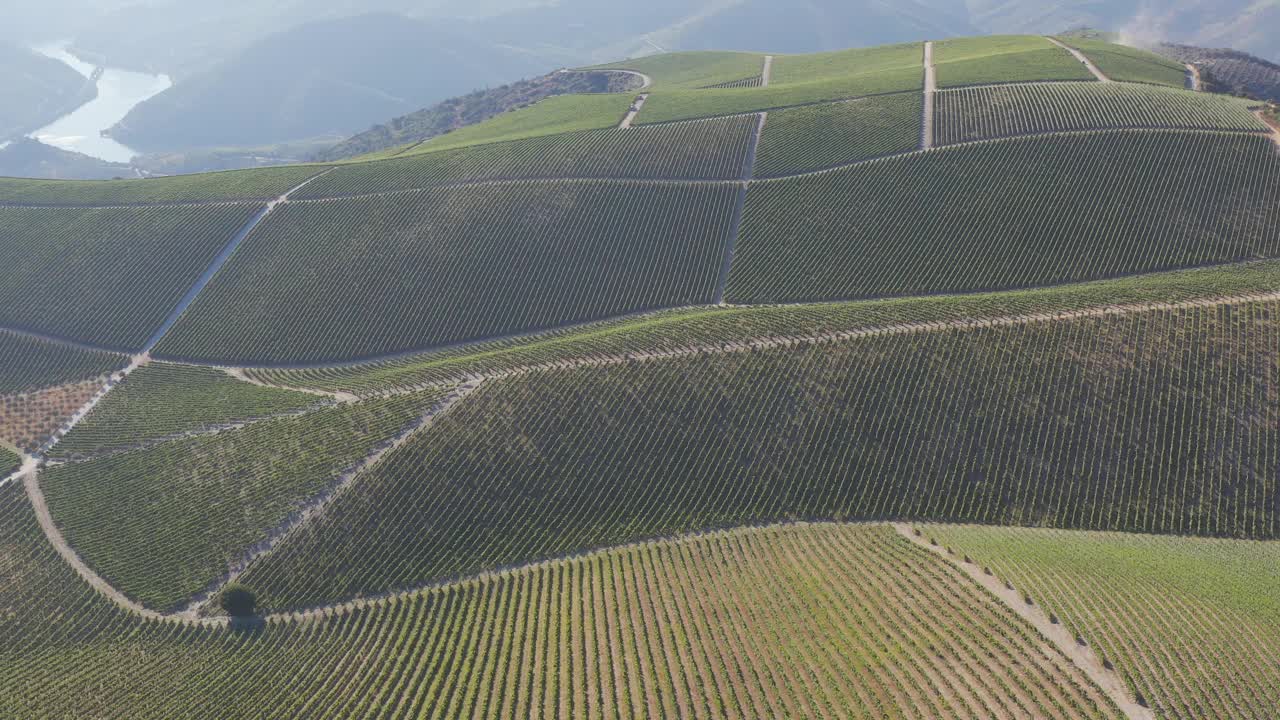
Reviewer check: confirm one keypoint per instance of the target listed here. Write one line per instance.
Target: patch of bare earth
(28, 419)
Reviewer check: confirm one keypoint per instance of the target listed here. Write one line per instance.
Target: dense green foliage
(1110, 422)
(162, 523)
(1003, 59)
(1193, 625)
(691, 70)
(552, 116)
(260, 184)
(712, 327)
(161, 400)
(823, 136)
(1127, 64)
(405, 132)
(1014, 213)
(455, 264)
(571, 638)
(27, 363)
(238, 600)
(707, 150)
(107, 276)
(800, 80)
(993, 112)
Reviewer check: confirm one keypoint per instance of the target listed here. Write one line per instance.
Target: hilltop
(935, 379)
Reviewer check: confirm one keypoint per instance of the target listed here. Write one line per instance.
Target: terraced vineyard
(1126, 64)
(163, 401)
(27, 363)
(569, 415)
(870, 428)
(162, 523)
(693, 69)
(443, 278)
(1192, 624)
(688, 331)
(552, 116)
(995, 112)
(569, 638)
(9, 462)
(710, 150)
(799, 80)
(1003, 59)
(955, 220)
(822, 136)
(261, 184)
(119, 271)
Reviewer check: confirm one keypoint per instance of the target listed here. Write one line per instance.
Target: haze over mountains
(251, 76)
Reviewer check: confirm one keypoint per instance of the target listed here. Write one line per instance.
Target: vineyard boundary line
(930, 90)
(1079, 654)
(723, 182)
(1097, 72)
(739, 209)
(772, 342)
(221, 260)
(239, 369)
(205, 431)
(66, 342)
(318, 503)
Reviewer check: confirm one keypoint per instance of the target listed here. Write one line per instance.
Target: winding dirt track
(1082, 58)
(30, 474)
(1082, 656)
(634, 110)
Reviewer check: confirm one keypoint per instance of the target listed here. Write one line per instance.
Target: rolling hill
(936, 379)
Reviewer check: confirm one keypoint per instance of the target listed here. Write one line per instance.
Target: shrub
(238, 600)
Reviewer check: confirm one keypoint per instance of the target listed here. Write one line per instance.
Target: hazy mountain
(325, 78)
(1248, 25)
(35, 90)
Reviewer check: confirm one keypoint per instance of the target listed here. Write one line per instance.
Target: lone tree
(238, 600)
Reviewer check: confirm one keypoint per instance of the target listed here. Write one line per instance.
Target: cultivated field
(1123, 425)
(822, 136)
(1006, 111)
(1003, 59)
(566, 416)
(107, 276)
(709, 150)
(1193, 625)
(819, 621)
(161, 401)
(27, 363)
(956, 219)
(351, 279)
(163, 522)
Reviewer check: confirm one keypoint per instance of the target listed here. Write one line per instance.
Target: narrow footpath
(766, 74)
(735, 227)
(636, 106)
(318, 503)
(1081, 655)
(1082, 58)
(930, 91)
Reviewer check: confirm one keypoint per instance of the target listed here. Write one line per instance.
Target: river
(118, 92)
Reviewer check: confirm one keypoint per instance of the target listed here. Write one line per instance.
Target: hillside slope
(619, 407)
(327, 78)
(35, 90)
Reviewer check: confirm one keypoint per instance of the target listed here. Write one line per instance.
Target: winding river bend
(118, 92)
